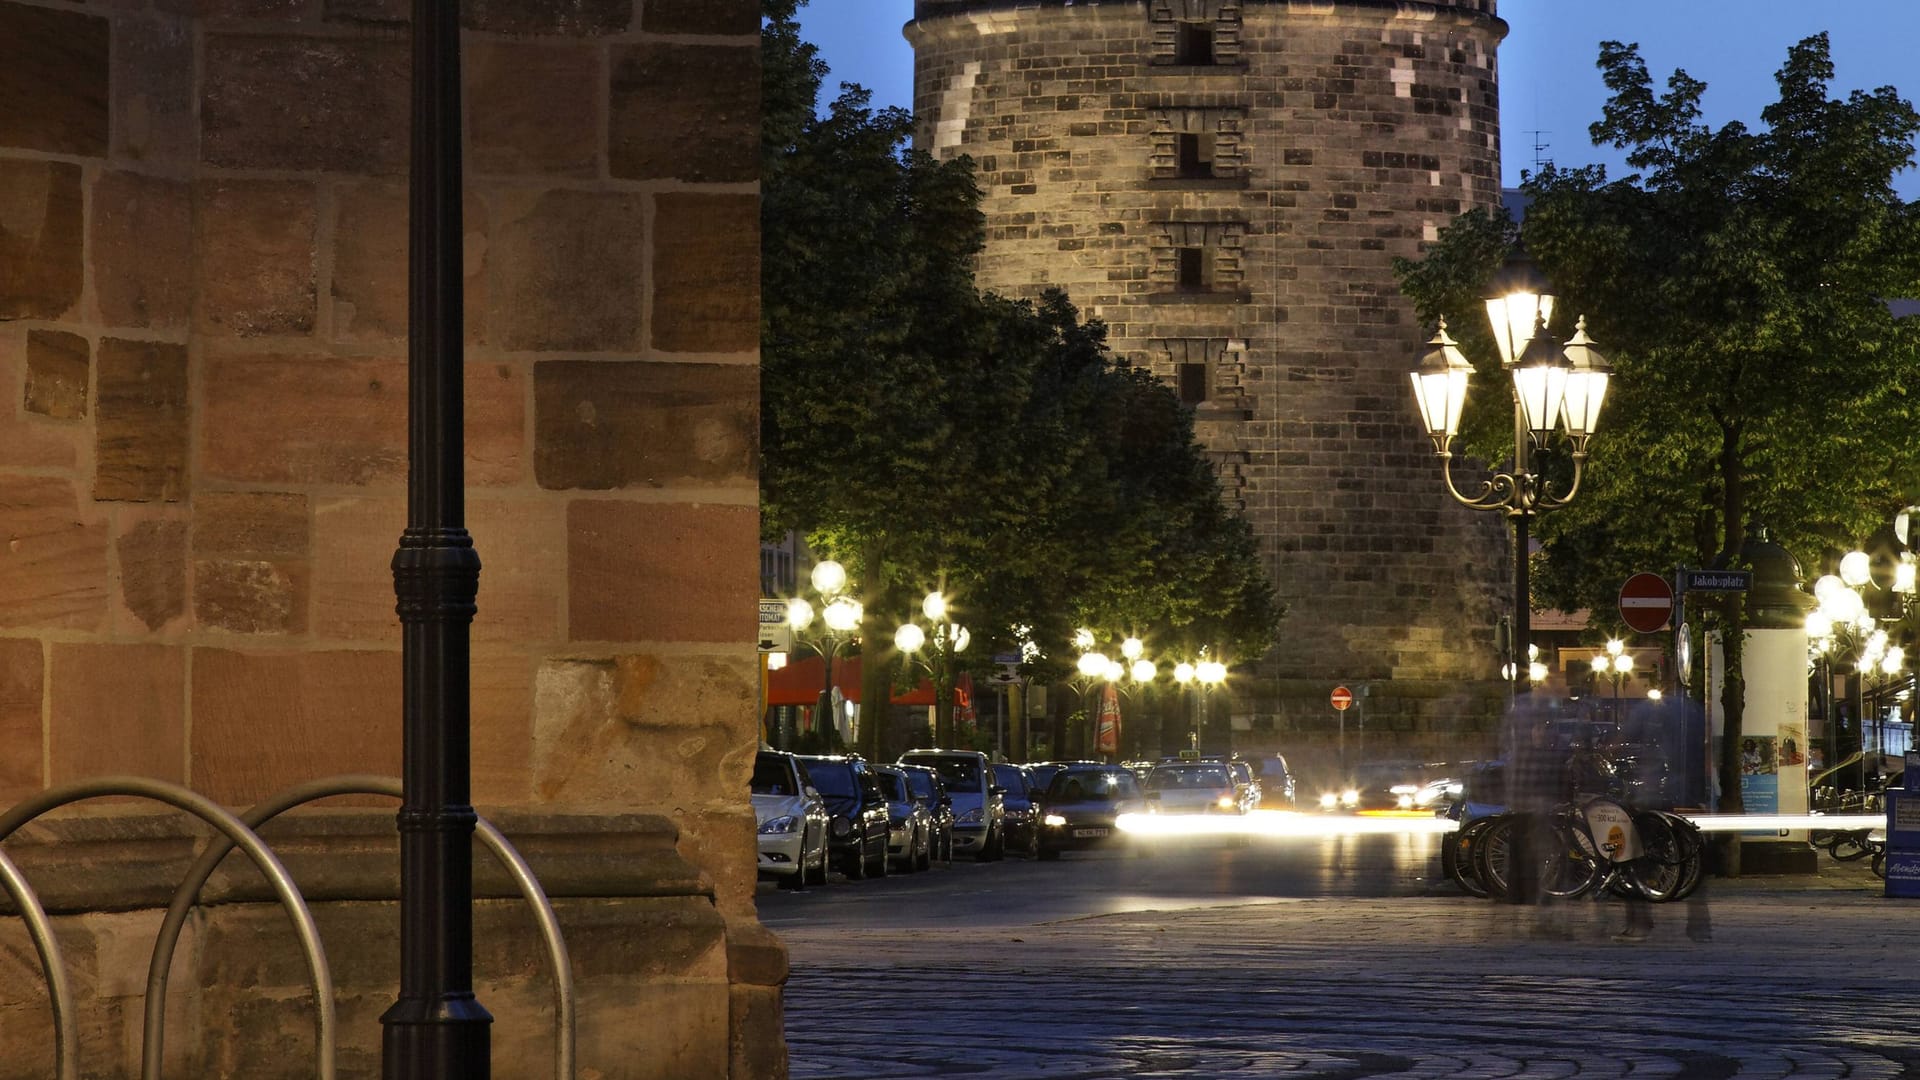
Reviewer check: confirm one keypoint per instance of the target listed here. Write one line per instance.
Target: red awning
(799, 684)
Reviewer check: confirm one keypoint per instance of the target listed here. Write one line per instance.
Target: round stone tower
(1226, 184)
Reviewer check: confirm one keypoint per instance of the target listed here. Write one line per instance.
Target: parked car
(1192, 787)
(1278, 788)
(979, 807)
(1246, 784)
(857, 821)
(909, 825)
(1022, 809)
(1041, 772)
(792, 821)
(927, 786)
(1080, 805)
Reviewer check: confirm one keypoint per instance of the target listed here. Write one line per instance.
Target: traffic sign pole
(1340, 699)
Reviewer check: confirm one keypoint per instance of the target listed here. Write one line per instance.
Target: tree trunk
(1733, 687)
(876, 655)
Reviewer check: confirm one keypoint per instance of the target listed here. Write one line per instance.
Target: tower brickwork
(1226, 184)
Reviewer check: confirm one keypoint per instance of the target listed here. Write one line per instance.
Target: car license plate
(1089, 832)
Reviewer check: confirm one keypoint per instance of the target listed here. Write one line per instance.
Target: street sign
(1716, 580)
(775, 634)
(1646, 600)
(1006, 658)
(1342, 697)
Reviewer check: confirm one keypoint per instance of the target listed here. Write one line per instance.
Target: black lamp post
(1553, 385)
(437, 1028)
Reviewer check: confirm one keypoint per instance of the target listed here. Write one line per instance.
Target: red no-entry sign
(1646, 601)
(1342, 697)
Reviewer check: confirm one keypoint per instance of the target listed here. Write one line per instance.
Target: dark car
(1081, 804)
(909, 824)
(857, 814)
(1022, 809)
(927, 786)
(1277, 784)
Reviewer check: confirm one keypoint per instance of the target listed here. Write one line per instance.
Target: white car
(792, 821)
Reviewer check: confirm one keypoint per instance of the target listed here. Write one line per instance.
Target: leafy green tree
(1738, 283)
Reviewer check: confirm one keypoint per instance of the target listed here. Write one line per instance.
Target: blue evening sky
(1547, 79)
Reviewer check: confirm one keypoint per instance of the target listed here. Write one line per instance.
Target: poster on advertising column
(1760, 777)
(1106, 732)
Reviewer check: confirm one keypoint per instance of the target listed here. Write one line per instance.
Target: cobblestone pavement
(1759, 978)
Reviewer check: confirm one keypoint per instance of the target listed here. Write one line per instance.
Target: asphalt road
(1338, 959)
(1081, 884)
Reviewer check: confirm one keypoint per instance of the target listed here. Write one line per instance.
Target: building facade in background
(203, 449)
(1226, 183)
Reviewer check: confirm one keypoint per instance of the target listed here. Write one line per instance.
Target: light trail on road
(1293, 823)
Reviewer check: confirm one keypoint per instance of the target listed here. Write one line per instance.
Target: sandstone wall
(1333, 137)
(203, 403)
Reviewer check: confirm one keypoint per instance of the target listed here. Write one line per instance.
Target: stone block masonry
(1226, 184)
(203, 446)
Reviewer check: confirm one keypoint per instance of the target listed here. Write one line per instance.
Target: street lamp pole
(1210, 673)
(1553, 385)
(1183, 675)
(436, 1028)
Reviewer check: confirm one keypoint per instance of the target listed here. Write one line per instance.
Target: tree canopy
(1738, 281)
(933, 436)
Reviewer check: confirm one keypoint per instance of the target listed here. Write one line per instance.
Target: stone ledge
(121, 858)
(1237, 69)
(1240, 296)
(1197, 183)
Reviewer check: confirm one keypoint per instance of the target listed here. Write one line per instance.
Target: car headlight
(971, 817)
(1054, 821)
(1350, 797)
(784, 824)
(1405, 802)
(1329, 800)
(841, 826)
(1225, 802)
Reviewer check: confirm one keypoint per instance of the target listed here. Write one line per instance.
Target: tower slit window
(1190, 275)
(1192, 380)
(1195, 154)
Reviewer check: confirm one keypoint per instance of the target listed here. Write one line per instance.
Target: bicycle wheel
(1691, 846)
(1658, 871)
(1492, 852)
(1850, 845)
(1466, 870)
(1566, 869)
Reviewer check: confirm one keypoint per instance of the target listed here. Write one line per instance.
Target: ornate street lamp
(839, 619)
(1616, 663)
(1843, 629)
(1553, 386)
(942, 647)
